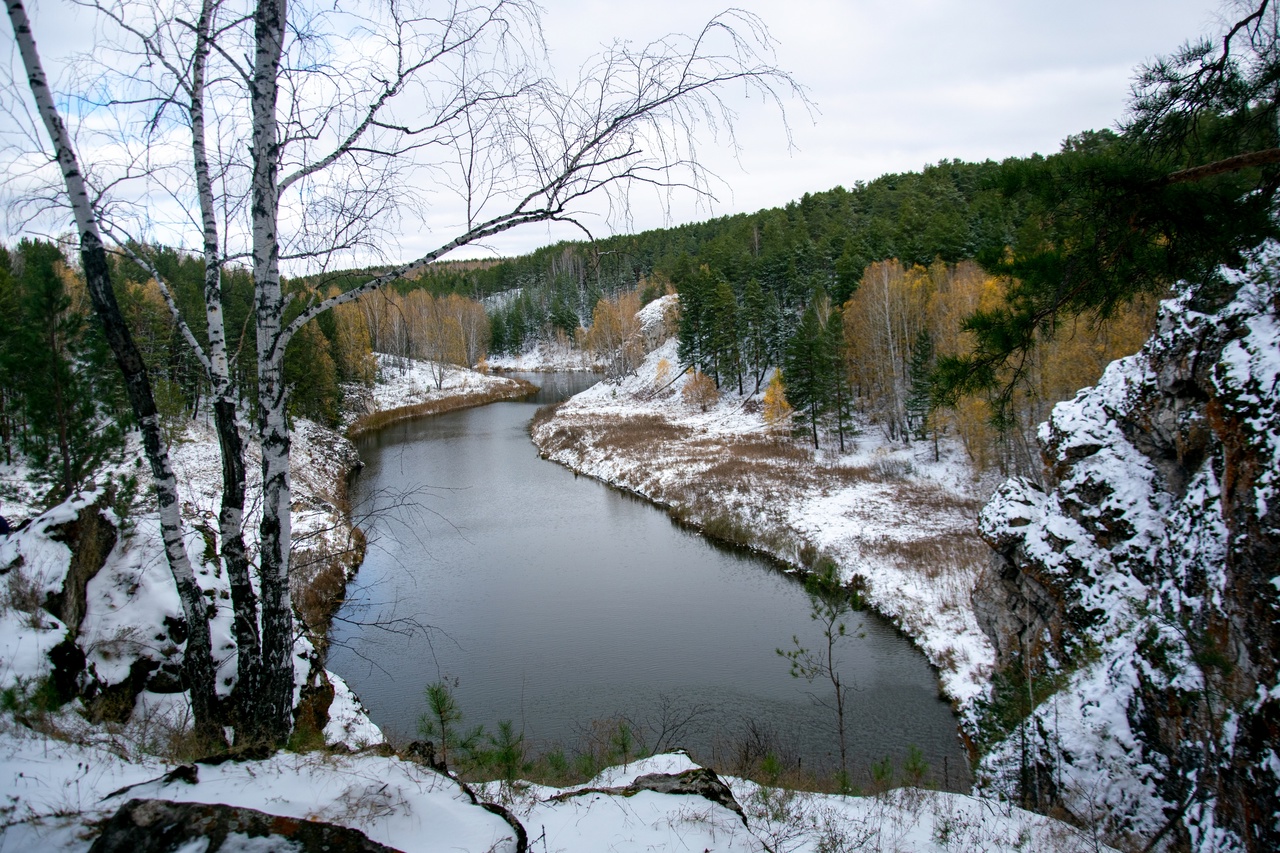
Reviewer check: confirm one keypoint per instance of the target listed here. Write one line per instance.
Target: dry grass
(640, 433)
(378, 420)
(950, 561)
(644, 437)
(938, 555)
(543, 414)
(932, 500)
(23, 594)
(320, 582)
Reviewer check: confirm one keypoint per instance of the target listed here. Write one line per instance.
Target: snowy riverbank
(53, 792)
(130, 626)
(889, 515)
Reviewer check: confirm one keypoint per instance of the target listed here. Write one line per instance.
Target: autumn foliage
(700, 390)
(777, 411)
(902, 318)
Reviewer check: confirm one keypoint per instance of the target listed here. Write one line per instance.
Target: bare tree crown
(400, 118)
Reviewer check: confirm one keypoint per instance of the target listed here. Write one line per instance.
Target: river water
(563, 605)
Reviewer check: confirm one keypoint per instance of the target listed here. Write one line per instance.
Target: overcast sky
(899, 84)
(895, 84)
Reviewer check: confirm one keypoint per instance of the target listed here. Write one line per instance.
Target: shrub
(700, 391)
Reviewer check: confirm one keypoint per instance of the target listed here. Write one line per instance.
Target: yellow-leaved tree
(662, 374)
(700, 390)
(777, 411)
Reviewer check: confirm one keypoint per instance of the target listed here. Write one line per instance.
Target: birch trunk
(231, 514)
(274, 719)
(199, 669)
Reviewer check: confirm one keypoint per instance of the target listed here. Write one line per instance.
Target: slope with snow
(130, 628)
(53, 794)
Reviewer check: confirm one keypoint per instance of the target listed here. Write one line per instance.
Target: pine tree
(759, 318)
(562, 315)
(809, 364)
(694, 336)
(841, 401)
(10, 365)
(919, 375)
(63, 377)
(727, 351)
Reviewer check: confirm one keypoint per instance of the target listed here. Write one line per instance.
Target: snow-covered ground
(883, 512)
(51, 791)
(414, 388)
(132, 612)
(404, 382)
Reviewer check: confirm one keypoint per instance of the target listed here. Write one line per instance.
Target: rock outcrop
(161, 826)
(1134, 604)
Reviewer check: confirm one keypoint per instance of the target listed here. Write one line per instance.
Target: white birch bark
(231, 513)
(199, 669)
(275, 719)
(531, 151)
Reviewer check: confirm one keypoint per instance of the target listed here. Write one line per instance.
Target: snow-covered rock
(1138, 595)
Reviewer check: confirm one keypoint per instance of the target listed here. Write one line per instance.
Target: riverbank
(76, 795)
(899, 525)
(64, 779)
(408, 389)
(130, 626)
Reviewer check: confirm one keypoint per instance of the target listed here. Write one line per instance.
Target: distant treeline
(62, 406)
(869, 299)
(855, 293)
(951, 211)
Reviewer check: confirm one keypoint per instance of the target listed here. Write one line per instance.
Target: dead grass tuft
(936, 556)
(637, 433)
(23, 594)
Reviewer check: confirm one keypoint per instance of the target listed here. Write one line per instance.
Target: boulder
(162, 826)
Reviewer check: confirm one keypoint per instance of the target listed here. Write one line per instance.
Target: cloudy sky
(899, 84)
(895, 85)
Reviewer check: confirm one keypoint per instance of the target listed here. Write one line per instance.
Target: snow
(543, 357)
(873, 509)
(132, 610)
(1139, 557)
(407, 382)
(50, 790)
(25, 647)
(349, 722)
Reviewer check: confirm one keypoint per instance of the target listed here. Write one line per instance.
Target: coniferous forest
(868, 300)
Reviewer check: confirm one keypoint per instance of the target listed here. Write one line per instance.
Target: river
(563, 605)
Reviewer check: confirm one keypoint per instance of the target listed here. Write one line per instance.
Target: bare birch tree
(351, 115)
(200, 672)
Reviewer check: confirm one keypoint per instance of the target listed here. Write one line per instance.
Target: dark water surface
(556, 601)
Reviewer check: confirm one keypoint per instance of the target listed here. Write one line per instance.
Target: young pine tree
(724, 336)
(919, 376)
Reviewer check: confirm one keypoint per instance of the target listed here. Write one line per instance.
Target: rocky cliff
(1134, 603)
